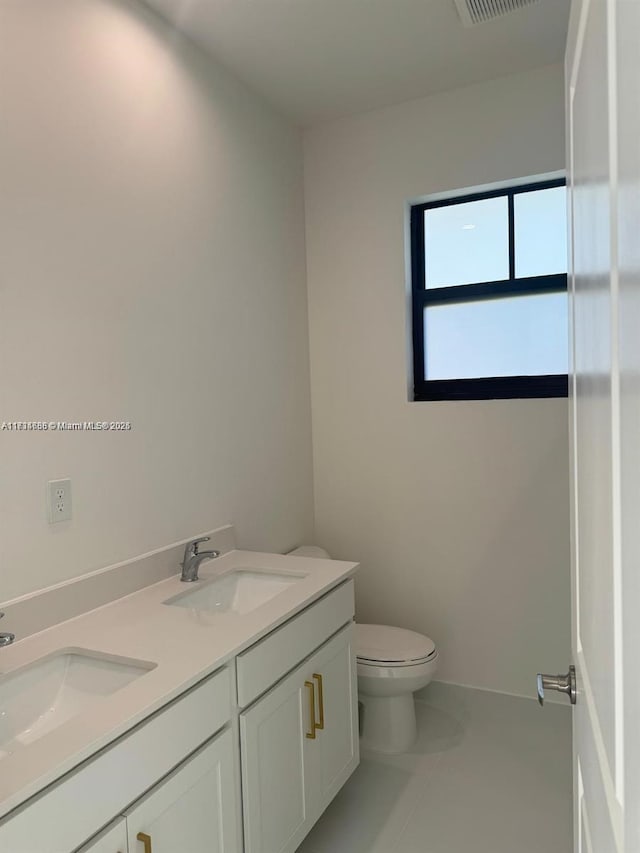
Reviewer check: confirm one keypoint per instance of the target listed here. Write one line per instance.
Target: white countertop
(185, 645)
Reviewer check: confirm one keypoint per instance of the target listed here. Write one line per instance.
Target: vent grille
(479, 11)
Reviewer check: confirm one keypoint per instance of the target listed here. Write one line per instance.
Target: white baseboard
(424, 694)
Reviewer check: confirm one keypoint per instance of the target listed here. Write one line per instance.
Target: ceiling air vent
(479, 11)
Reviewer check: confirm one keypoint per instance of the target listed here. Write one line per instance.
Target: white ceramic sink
(47, 693)
(239, 591)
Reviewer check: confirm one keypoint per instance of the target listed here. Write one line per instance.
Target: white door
(277, 783)
(336, 751)
(602, 72)
(113, 839)
(299, 747)
(193, 810)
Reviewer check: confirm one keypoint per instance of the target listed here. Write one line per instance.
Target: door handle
(146, 840)
(318, 678)
(312, 712)
(561, 683)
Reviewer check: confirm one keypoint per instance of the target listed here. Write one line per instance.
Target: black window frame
(484, 388)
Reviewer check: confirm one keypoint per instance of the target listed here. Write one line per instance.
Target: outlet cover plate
(59, 500)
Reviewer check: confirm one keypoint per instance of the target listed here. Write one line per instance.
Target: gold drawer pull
(312, 711)
(146, 840)
(318, 678)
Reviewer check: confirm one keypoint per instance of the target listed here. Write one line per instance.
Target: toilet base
(388, 723)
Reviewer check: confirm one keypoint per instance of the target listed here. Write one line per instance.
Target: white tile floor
(489, 774)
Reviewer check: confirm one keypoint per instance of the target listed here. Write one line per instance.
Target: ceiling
(322, 59)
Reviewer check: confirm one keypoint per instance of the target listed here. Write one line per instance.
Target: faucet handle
(191, 548)
(194, 544)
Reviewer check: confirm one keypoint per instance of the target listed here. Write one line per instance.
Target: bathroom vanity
(215, 719)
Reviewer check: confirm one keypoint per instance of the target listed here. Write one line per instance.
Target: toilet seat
(405, 664)
(387, 647)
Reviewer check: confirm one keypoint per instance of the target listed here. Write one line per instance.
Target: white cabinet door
(193, 810)
(337, 745)
(113, 839)
(276, 790)
(299, 746)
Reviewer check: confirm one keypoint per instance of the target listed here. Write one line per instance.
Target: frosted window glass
(467, 243)
(512, 336)
(541, 232)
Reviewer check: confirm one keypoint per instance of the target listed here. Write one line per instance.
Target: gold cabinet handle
(146, 840)
(318, 678)
(312, 711)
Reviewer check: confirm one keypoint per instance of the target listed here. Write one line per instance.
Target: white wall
(151, 270)
(457, 510)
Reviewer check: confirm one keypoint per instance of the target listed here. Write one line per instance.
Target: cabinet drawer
(70, 811)
(271, 658)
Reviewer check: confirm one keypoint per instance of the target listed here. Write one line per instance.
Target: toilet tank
(310, 551)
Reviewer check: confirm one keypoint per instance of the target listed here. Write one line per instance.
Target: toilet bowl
(392, 664)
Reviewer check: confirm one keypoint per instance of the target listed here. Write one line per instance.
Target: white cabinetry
(111, 840)
(171, 784)
(193, 810)
(66, 814)
(299, 745)
(277, 783)
(337, 745)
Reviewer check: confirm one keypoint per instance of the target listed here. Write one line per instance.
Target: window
(489, 287)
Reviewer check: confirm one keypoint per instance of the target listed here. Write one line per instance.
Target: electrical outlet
(59, 500)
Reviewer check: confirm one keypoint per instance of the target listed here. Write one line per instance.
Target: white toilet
(392, 664)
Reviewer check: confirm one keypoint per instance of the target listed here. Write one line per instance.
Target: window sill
(492, 388)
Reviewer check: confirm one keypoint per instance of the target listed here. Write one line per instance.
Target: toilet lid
(391, 645)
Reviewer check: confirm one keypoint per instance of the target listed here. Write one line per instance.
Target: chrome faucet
(192, 559)
(6, 639)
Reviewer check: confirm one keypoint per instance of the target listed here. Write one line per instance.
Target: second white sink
(49, 692)
(239, 591)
